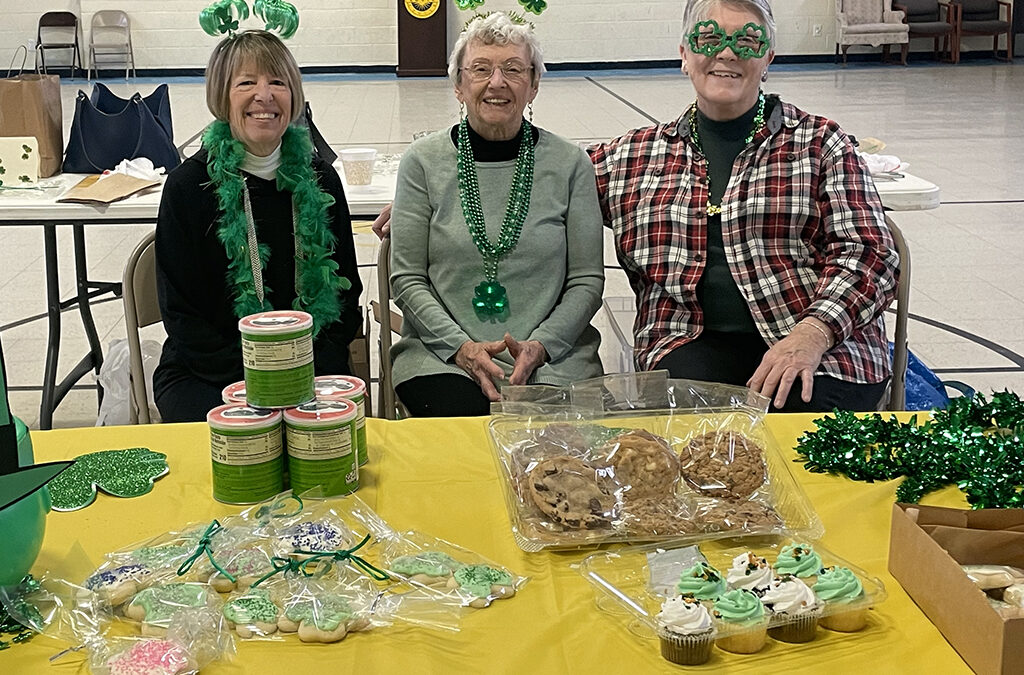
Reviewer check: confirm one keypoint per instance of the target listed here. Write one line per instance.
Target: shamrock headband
(223, 16)
(749, 42)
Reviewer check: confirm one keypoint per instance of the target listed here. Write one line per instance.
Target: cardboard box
(926, 548)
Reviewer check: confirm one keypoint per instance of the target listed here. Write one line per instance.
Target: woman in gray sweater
(496, 255)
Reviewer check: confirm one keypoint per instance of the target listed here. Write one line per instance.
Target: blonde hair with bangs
(260, 50)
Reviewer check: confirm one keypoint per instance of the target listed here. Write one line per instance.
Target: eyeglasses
(513, 71)
(709, 39)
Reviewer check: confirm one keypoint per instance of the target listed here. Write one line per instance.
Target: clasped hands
(477, 359)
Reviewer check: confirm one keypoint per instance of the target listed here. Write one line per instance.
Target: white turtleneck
(262, 167)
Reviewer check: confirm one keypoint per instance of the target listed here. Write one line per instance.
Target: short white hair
(695, 11)
(496, 28)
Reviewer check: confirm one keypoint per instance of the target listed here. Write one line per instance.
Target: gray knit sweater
(554, 277)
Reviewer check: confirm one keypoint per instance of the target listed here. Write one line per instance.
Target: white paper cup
(358, 165)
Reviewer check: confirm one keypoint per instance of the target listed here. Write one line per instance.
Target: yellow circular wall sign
(422, 9)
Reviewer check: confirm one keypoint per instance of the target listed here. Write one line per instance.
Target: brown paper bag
(113, 188)
(30, 106)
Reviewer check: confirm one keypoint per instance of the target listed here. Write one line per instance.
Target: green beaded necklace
(491, 298)
(715, 209)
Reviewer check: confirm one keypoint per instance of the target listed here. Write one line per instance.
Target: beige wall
(364, 32)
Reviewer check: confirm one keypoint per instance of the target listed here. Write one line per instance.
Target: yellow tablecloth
(439, 477)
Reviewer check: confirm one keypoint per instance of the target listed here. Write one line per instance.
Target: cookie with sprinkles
(484, 582)
(118, 584)
(155, 606)
(150, 657)
(314, 536)
(246, 565)
(325, 617)
(253, 613)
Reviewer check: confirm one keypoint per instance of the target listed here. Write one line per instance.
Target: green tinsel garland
(317, 280)
(975, 444)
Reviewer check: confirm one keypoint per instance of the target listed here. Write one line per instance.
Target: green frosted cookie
(430, 563)
(158, 603)
(478, 579)
(324, 613)
(253, 607)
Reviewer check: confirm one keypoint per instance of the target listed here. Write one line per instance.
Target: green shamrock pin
(120, 473)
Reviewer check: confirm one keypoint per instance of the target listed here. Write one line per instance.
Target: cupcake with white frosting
(795, 609)
(750, 572)
(686, 631)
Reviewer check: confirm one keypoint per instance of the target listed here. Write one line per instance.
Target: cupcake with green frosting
(798, 560)
(702, 581)
(843, 595)
(743, 622)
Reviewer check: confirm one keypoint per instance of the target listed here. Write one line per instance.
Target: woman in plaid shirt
(750, 231)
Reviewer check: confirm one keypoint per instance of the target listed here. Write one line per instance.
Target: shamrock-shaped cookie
(120, 473)
(155, 606)
(253, 613)
(323, 618)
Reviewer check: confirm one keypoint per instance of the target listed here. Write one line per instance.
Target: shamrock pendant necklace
(716, 209)
(491, 298)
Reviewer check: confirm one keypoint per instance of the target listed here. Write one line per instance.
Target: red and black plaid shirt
(802, 224)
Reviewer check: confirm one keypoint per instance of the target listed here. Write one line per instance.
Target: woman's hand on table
(476, 358)
(382, 223)
(529, 355)
(795, 356)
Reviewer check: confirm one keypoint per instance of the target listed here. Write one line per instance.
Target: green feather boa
(317, 279)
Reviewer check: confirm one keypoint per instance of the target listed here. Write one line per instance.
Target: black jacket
(203, 348)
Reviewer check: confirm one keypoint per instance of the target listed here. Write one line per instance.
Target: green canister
(349, 388)
(277, 354)
(321, 439)
(248, 453)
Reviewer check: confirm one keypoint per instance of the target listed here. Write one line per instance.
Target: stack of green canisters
(325, 436)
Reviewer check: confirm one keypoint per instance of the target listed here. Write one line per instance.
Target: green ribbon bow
(267, 511)
(204, 547)
(345, 555)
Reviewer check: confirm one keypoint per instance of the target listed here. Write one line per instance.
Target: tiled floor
(956, 126)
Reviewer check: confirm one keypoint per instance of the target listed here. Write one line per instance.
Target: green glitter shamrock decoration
(120, 473)
(468, 4)
(535, 6)
(975, 444)
(22, 608)
(223, 17)
(279, 15)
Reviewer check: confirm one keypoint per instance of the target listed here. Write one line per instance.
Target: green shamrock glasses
(749, 42)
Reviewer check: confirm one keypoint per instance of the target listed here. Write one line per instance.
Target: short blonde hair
(261, 50)
(496, 28)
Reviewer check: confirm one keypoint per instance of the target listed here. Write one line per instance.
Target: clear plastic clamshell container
(655, 475)
(634, 582)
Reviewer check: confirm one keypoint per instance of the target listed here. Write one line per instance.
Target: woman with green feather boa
(251, 222)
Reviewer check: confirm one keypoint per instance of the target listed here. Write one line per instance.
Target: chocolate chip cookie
(642, 461)
(567, 491)
(723, 464)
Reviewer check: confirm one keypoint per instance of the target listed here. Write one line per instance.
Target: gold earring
(462, 110)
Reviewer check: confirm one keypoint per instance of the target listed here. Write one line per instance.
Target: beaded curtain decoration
(715, 209)
(491, 298)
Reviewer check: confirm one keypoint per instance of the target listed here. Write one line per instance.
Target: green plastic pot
(23, 523)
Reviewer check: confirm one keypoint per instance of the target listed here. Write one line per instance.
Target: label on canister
(320, 436)
(277, 355)
(247, 453)
(234, 393)
(335, 387)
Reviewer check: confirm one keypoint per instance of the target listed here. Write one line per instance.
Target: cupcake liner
(686, 650)
(847, 620)
(749, 640)
(798, 627)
